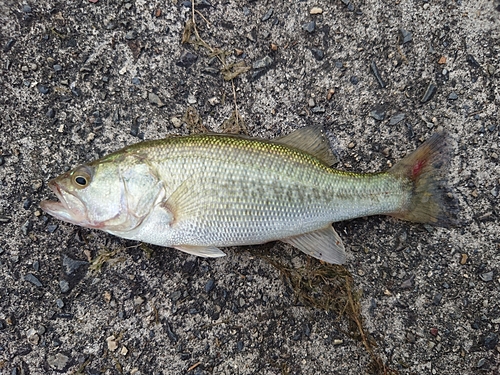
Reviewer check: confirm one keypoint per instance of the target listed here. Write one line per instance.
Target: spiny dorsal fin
(312, 140)
(323, 244)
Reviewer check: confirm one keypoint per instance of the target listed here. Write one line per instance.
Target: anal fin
(323, 244)
(201, 251)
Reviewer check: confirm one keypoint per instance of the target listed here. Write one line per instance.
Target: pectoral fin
(202, 251)
(185, 202)
(323, 244)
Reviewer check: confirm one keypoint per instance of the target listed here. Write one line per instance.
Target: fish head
(92, 196)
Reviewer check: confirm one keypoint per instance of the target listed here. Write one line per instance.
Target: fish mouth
(69, 208)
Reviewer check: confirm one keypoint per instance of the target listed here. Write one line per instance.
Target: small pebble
(41, 329)
(490, 341)
(481, 362)
(176, 122)
(36, 265)
(318, 54)
(240, 345)
(59, 303)
(210, 70)
(410, 337)
(138, 300)
(43, 89)
(376, 73)
(57, 68)
(409, 283)
(396, 119)
(202, 4)
(406, 36)
(26, 227)
(72, 265)
(329, 94)
(311, 103)
(437, 299)
(487, 276)
(10, 43)
(112, 344)
(318, 109)
(463, 258)
(213, 101)
(209, 286)
(58, 361)
(265, 62)
(354, 80)
(187, 59)
(252, 35)
(64, 286)
(32, 336)
(268, 15)
(131, 35)
(472, 62)
(33, 279)
(309, 27)
(377, 114)
(191, 99)
(155, 99)
(51, 228)
(453, 96)
(429, 93)
(316, 10)
(27, 203)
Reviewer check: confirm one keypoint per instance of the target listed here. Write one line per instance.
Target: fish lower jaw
(61, 212)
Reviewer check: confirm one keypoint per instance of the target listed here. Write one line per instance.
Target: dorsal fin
(312, 140)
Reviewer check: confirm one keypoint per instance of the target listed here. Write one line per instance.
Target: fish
(201, 192)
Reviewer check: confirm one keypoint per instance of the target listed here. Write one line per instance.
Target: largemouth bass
(202, 192)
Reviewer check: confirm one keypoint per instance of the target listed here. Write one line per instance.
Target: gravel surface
(82, 78)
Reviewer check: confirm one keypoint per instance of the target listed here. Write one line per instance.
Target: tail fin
(424, 168)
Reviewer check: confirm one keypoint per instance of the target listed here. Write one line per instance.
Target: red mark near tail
(417, 168)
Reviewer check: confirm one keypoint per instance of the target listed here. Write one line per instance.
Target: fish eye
(80, 180)
(81, 177)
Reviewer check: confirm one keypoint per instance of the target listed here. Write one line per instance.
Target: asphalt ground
(80, 79)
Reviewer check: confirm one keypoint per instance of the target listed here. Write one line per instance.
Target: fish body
(202, 192)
